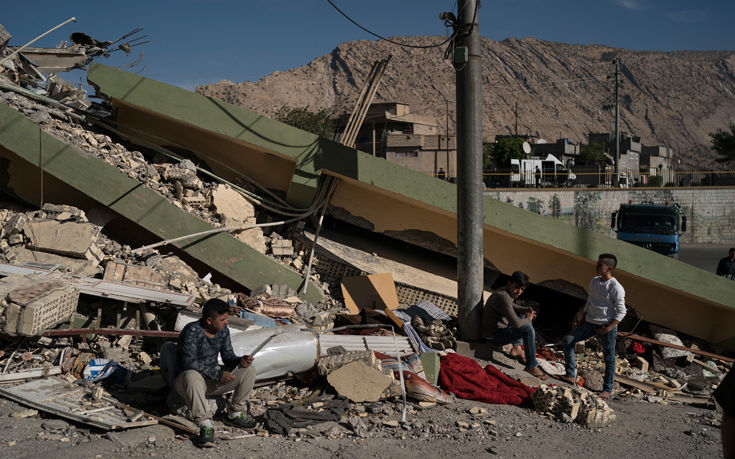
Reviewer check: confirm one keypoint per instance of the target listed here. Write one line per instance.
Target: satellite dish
(542, 141)
(526, 147)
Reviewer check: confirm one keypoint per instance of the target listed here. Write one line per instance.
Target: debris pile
(572, 405)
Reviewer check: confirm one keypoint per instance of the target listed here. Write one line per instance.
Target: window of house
(407, 154)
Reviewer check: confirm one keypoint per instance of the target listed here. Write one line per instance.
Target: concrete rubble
(35, 310)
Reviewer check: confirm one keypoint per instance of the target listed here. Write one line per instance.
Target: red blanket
(466, 379)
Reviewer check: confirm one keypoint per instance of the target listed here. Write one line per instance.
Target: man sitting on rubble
(505, 322)
(602, 313)
(200, 377)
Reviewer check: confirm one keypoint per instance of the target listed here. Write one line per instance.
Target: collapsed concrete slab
(86, 182)
(407, 205)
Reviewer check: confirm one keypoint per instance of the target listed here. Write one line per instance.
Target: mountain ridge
(674, 98)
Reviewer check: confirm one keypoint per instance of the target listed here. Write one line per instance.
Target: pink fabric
(466, 379)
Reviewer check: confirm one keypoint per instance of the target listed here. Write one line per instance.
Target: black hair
(214, 308)
(609, 256)
(519, 278)
(732, 249)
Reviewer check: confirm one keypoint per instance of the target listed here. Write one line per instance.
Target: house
(412, 140)
(657, 160)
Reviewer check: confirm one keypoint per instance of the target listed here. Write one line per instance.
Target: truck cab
(654, 227)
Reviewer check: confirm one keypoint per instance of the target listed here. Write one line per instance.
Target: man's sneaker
(242, 421)
(206, 437)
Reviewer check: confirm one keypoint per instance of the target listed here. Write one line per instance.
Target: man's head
(517, 284)
(606, 263)
(731, 253)
(215, 314)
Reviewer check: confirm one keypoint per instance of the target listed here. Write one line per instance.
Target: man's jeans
(584, 331)
(524, 334)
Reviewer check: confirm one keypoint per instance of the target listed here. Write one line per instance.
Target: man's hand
(245, 361)
(531, 314)
(227, 378)
(602, 330)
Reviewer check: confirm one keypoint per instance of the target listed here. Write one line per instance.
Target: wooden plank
(375, 291)
(34, 373)
(634, 383)
(675, 346)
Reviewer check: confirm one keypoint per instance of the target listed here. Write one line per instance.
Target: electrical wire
(434, 45)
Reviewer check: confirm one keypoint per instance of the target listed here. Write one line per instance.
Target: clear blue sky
(204, 41)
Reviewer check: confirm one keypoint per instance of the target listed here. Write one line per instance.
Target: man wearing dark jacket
(726, 266)
(505, 322)
(199, 345)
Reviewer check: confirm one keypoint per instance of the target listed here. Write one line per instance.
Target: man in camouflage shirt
(199, 345)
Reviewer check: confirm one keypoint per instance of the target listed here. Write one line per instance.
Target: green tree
(592, 153)
(723, 143)
(319, 122)
(501, 152)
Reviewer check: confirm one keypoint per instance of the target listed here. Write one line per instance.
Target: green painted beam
(129, 198)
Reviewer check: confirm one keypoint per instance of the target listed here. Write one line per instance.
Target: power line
(435, 45)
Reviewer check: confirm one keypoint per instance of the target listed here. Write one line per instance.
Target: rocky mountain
(670, 98)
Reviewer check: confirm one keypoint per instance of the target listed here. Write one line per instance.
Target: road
(703, 256)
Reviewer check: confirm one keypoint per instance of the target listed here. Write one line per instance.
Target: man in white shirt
(604, 310)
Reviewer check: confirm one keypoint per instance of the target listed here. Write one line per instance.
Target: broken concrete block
(67, 238)
(15, 239)
(15, 224)
(282, 248)
(642, 363)
(359, 382)
(579, 348)
(332, 362)
(232, 204)
(668, 336)
(254, 238)
(37, 303)
(183, 174)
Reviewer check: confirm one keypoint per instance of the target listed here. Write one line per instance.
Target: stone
(54, 425)
(15, 224)
(593, 380)
(359, 382)
(27, 413)
(642, 363)
(187, 177)
(463, 425)
(580, 348)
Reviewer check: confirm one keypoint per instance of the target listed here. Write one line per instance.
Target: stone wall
(710, 212)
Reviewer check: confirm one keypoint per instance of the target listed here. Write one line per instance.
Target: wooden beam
(675, 346)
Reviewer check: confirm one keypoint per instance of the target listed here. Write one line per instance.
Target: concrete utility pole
(470, 262)
(617, 120)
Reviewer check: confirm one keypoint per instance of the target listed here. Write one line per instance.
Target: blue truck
(651, 226)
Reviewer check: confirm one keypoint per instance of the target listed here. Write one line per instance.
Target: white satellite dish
(542, 141)
(526, 147)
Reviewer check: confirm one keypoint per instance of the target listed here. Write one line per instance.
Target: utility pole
(516, 112)
(617, 120)
(470, 259)
(446, 101)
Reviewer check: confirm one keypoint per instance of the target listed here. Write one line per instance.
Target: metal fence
(601, 177)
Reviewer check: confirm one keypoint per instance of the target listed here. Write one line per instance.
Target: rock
(390, 423)
(24, 413)
(463, 425)
(593, 380)
(282, 248)
(54, 425)
(144, 358)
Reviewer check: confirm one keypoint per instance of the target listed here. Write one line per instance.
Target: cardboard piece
(375, 291)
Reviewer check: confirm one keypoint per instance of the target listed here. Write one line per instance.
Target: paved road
(703, 256)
